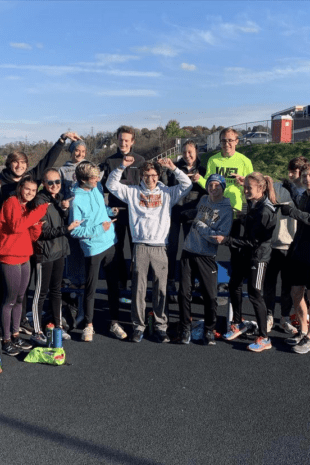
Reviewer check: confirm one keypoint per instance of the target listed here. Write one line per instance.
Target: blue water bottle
(57, 338)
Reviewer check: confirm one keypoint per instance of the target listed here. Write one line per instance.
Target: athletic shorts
(299, 273)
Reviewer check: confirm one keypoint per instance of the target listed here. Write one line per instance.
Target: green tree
(173, 129)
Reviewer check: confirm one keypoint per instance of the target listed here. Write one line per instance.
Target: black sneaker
(21, 344)
(209, 338)
(25, 327)
(185, 337)
(161, 336)
(9, 349)
(303, 347)
(293, 341)
(137, 336)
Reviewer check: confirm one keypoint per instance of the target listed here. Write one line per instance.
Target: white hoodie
(149, 211)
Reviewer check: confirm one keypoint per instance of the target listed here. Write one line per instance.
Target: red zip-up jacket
(18, 229)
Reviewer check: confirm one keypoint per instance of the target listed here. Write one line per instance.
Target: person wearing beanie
(74, 263)
(190, 165)
(214, 215)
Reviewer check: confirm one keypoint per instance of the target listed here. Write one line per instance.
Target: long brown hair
(27, 178)
(266, 183)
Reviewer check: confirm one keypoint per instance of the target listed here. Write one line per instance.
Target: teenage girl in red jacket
(19, 227)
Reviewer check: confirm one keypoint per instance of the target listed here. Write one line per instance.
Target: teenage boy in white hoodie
(150, 206)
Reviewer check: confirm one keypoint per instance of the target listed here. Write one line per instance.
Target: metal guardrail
(171, 153)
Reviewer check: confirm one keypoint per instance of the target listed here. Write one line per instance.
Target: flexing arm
(113, 183)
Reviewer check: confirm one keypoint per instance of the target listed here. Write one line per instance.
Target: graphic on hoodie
(208, 215)
(150, 201)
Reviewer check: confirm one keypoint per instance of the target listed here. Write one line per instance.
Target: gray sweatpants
(145, 256)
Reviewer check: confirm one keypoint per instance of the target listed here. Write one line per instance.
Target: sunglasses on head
(50, 183)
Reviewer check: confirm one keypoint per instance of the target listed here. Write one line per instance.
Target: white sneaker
(65, 335)
(88, 333)
(118, 331)
(269, 323)
(286, 325)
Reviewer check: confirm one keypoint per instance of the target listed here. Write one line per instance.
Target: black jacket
(52, 243)
(300, 247)
(130, 176)
(8, 184)
(192, 198)
(259, 224)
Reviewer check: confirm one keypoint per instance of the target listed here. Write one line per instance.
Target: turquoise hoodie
(90, 207)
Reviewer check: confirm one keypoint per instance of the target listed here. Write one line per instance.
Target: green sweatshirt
(238, 164)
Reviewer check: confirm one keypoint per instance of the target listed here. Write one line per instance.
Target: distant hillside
(271, 159)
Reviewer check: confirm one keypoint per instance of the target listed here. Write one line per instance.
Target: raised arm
(50, 158)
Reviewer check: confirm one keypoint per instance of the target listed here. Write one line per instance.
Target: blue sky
(83, 65)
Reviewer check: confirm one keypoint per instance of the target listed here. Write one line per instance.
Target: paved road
(148, 403)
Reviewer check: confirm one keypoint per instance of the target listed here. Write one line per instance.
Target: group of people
(152, 200)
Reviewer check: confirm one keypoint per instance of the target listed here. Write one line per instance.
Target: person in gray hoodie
(150, 206)
(214, 217)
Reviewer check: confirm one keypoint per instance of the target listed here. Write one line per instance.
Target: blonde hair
(266, 183)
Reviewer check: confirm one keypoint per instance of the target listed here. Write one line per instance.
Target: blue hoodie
(89, 206)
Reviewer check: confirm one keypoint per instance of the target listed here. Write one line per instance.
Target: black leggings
(108, 260)
(49, 277)
(15, 279)
(255, 272)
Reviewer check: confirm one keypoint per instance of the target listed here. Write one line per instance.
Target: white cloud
(188, 67)
(54, 70)
(105, 58)
(71, 87)
(128, 93)
(117, 72)
(248, 27)
(164, 50)
(239, 75)
(13, 78)
(21, 45)
(39, 45)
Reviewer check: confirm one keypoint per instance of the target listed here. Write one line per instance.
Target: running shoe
(88, 333)
(39, 339)
(235, 331)
(260, 344)
(293, 341)
(269, 323)
(65, 336)
(303, 346)
(286, 325)
(161, 336)
(25, 327)
(9, 349)
(209, 338)
(185, 337)
(137, 336)
(118, 331)
(21, 344)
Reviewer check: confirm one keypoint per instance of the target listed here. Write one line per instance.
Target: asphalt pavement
(117, 402)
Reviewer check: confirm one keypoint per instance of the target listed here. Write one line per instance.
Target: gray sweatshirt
(149, 211)
(286, 227)
(212, 219)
